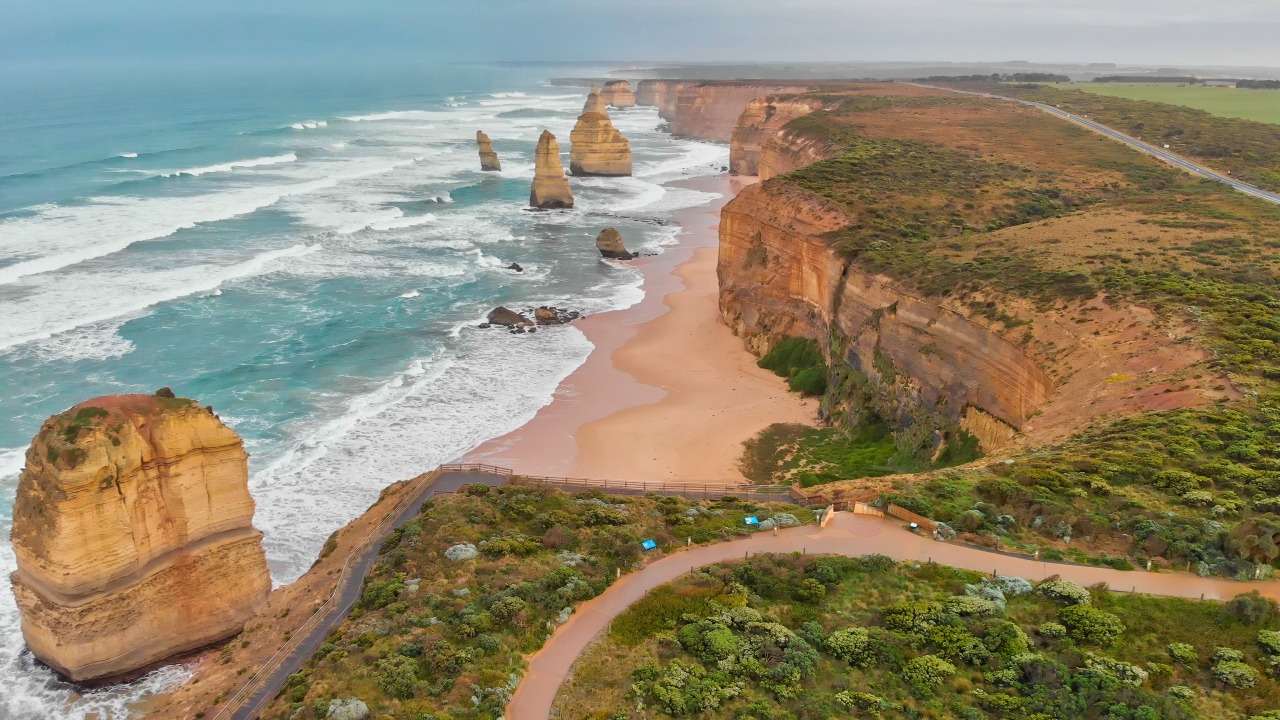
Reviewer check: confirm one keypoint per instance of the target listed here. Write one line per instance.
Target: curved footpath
(1161, 153)
(846, 534)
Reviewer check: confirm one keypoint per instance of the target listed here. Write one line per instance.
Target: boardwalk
(847, 534)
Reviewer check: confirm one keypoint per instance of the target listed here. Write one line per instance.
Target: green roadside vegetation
(812, 638)
(1040, 212)
(460, 594)
(1244, 103)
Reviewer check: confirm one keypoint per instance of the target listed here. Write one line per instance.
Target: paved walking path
(305, 646)
(846, 534)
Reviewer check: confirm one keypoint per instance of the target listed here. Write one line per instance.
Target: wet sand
(669, 393)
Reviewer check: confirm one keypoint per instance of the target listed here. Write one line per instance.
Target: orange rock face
(133, 530)
(779, 278)
(618, 94)
(710, 111)
(550, 187)
(596, 147)
(595, 103)
(759, 121)
(661, 93)
(488, 158)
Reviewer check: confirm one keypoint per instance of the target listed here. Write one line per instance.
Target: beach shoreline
(669, 393)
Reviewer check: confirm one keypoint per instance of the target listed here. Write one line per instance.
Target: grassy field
(1259, 105)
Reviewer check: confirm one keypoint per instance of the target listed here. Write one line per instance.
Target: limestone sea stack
(595, 103)
(609, 243)
(550, 186)
(488, 158)
(133, 531)
(618, 94)
(596, 147)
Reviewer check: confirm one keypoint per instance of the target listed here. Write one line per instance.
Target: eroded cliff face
(596, 147)
(779, 278)
(665, 94)
(489, 161)
(134, 537)
(617, 93)
(709, 111)
(788, 150)
(759, 121)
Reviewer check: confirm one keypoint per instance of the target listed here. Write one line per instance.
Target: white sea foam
(411, 294)
(101, 341)
(490, 385)
(235, 164)
(84, 298)
(128, 155)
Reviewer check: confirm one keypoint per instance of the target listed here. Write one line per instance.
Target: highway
(1158, 152)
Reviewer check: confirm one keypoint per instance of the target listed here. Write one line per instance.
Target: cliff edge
(133, 530)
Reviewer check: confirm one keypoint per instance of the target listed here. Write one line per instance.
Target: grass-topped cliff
(463, 592)
(976, 270)
(805, 638)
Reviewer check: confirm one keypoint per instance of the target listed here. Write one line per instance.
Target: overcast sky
(1156, 32)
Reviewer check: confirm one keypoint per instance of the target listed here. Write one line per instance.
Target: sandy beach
(669, 393)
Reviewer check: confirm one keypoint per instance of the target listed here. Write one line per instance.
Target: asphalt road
(1161, 153)
(348, 593)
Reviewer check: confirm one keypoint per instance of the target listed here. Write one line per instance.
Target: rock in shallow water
(609, 243)
(133, 530)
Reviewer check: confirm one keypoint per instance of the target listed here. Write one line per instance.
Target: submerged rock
(609, 243)
(516, 267)
(550, 187)
(133, 531)
(488, 158)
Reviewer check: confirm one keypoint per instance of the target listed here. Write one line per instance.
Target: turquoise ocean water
(308, 250)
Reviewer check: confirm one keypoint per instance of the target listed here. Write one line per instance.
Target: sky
(1152, 32)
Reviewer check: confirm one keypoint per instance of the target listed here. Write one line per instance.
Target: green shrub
(1269, 640)
(396, 676)
(862, 703)
(853, 645)
(1052, 630)
(792, 356)
(1250, 607)
(1064, 592)
(999, 703)
(1236, 674)
(1090, 625)
(379, 594)
(595, 516)
(1226, 654)
(811, 591)
(507, 608)
(927, 672)
(653, 613)
(915, 616)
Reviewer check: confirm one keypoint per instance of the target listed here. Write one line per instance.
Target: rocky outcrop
(710, 110)
(789, 150)
(507, 317)
(665, 94)
(618, 94)
(133, 531)
(597, 148)
(550, 187)
(759, 121)
(779, 278)
(609, 243)
(595, 103)
(488, 158)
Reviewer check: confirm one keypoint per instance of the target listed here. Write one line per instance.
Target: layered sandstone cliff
(710, 111)
(664, 94)
(779, 277)
(759, 122)
(133, 531)
(595, 103)
(550, 187)
(488, 158)
(596, 147)
(618, 94)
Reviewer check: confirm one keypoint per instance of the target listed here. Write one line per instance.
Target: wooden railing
(318, 616)
(904, 514)
(476, 467)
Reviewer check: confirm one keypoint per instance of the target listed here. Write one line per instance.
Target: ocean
(309, 250)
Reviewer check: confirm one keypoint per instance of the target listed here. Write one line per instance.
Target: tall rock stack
(597, 148)
(133, 530)
(618, 94)
(595, 103)
(550, 186)
(488, 158)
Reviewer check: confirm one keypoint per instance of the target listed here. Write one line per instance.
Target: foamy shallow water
(317, 276)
